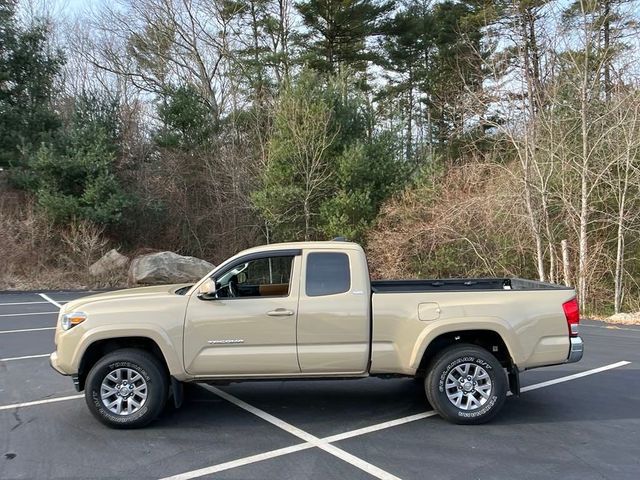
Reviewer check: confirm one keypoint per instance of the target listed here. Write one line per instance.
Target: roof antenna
(340, 239)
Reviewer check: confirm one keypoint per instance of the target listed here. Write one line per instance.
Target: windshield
(224, 279)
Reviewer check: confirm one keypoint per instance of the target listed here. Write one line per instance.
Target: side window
(327, 274)
(263, 277)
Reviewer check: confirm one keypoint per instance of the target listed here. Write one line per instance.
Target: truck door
(249, 326)
(334, 312)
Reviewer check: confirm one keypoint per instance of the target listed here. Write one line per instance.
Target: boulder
(167, 267)
(110, 262)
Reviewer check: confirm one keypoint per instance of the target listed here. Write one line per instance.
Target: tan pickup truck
(303, 310)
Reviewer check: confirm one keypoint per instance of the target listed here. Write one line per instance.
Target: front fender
(170, 351)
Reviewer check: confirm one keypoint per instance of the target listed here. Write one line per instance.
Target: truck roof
(329, 245)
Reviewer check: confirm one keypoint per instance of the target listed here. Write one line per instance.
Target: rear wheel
(127, 388)
(466, 384)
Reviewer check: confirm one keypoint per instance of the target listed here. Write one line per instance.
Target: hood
(158, 290)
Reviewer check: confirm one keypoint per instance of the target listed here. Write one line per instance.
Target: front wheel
(127, 388)
(466, 384)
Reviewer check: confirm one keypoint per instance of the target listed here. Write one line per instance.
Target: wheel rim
(123, 391)
(468, 386)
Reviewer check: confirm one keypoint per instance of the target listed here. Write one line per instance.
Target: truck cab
(282, 312)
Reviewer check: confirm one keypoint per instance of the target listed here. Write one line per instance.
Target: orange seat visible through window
(274, 290)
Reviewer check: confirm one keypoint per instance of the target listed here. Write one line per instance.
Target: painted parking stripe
(23, 330)
(574, 376)
(221, 467)
(40, 402)
(25, 357)
(361, 431)
(379, 426)
(296, 448)
(307, 445)
(19, 303)
(50, 300)
(306, 436)
(26, 314)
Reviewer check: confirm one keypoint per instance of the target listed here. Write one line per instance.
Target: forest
(452, 138)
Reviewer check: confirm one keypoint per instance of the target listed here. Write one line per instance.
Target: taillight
(572, 314)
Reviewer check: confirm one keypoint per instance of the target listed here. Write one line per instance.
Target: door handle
(280, 312)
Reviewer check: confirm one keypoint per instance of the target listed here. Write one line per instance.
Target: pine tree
(609, 26)
(28, 68)
(435, 52)
(338, 31)
(409, 45)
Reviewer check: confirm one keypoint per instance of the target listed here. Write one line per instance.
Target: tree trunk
(528, 30)
(618, 283)
(535, 229)
(566, 267)
(617, 291)
(307, 220)
(583, 242)
(606, 27)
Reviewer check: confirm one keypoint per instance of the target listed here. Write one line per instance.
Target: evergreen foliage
(28, 69)
(74, 177)
(327, 174)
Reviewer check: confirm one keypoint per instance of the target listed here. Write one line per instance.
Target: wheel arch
(99, 348)
(485, 338)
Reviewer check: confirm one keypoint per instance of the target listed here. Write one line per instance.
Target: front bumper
(576, 349)
(53, 361)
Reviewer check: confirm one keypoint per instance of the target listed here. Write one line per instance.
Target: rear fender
(494, 324)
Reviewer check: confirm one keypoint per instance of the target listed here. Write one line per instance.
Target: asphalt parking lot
(577, 421)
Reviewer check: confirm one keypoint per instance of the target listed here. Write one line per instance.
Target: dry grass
(623, 319)
(467, 223)
(37, 254)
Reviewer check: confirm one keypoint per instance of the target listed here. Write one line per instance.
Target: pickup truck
(309, 310)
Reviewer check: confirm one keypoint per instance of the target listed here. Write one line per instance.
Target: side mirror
(207, 291)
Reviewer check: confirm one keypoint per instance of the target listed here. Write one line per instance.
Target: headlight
(72, 319)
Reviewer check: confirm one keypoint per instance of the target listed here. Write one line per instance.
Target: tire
(475, 399)
(135, 377)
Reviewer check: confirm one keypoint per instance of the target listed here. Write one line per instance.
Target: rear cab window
(328, 273)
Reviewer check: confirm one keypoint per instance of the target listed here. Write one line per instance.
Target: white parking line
(26, 357)
(22, 330)
(25, 314)
(296, 448)
(574, 376)
(40, 402)
(241, 462)
(19, 303)
(334, 438)
(50, 300)
(311, 441)
(306, 436)
(379, 426)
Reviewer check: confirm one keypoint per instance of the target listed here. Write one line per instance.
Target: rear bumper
(576, 349)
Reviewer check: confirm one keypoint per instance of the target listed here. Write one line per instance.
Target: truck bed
(461, 284)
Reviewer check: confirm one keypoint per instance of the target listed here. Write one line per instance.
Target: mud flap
(514, 381)
(177, 392)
